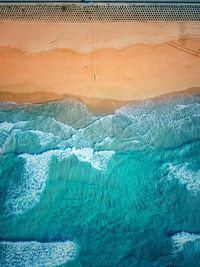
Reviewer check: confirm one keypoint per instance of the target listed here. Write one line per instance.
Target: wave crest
(180, 240)
(185, 175)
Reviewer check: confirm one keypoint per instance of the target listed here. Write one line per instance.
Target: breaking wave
(26, 194)
(186, 175)
(184, 240)
(186, 249)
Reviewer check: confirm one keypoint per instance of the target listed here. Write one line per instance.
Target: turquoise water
(79, 189)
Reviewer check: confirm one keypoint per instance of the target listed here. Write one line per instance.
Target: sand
(120, 62)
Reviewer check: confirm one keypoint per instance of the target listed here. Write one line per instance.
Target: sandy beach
(118, 62)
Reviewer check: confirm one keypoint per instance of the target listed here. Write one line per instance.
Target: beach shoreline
(99, 106)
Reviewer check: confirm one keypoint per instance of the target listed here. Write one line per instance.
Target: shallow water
(79, 189)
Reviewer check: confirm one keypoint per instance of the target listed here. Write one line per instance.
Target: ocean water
(84, 190)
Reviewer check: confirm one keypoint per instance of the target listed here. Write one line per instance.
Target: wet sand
(95, 105)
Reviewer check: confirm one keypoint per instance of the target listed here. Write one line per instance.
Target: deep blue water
(121, 190)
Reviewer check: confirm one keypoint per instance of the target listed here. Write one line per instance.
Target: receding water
(120, 190)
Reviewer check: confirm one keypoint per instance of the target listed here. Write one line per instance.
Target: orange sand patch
(137, 72)
(87, 37)
(121, 62)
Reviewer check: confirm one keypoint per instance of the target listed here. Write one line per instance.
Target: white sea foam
(67, 129)
(152, 120)
(24, 140)
(6, 126)
(7, 135)
(26, 193)
(185, 175)
(97, 159)
(182, 240)
(44, 138)
(36, 254)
